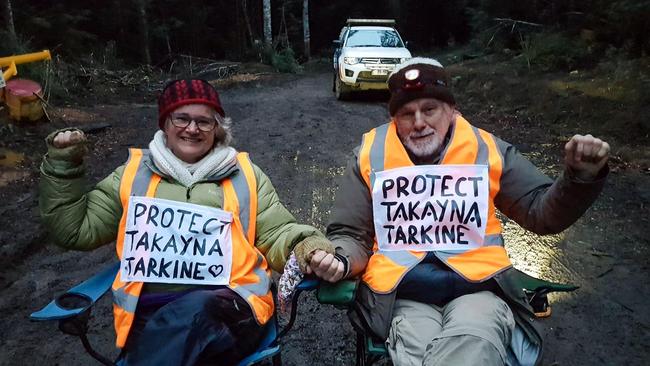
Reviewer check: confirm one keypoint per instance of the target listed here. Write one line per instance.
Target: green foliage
(7, 47)
(285, 61)
(485, 32)
(622, 24)
(626, 26)
(266, 53)
(554, 51)
(225, 29)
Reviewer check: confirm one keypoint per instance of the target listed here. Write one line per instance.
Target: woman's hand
(64, 139)
(67, 145)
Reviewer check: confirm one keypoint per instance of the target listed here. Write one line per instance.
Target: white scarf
(218, 163)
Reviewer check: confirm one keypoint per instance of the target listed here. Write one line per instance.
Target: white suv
(366, 52)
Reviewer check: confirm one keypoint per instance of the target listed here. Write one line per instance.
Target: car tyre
(341, 90)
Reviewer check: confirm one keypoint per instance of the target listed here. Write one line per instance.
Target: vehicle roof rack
(389, 22)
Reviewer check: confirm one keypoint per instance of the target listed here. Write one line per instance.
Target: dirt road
(301, 137)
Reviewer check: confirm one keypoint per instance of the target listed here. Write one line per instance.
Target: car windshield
(373, 38)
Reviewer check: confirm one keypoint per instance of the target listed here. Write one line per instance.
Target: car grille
(368, 76)
(382, 60)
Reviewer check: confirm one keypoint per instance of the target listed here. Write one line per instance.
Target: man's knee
(481, 310)
(413, 326)
(462, 350)
(480, 318)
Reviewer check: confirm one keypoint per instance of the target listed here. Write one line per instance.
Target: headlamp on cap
(411, 80)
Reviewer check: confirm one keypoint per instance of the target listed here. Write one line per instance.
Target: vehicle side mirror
(406, 44)
(336, 43)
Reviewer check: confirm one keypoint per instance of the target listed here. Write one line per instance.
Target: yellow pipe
(11, 71)
(28, 57)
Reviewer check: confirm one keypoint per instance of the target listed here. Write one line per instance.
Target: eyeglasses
(205, 124)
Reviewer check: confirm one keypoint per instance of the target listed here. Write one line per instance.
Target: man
(415, 219)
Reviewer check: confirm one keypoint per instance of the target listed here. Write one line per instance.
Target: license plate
(379, 72)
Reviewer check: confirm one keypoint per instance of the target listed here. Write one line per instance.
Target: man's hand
(315, 255)
(68, 138)
(326, 266)
(586, 156)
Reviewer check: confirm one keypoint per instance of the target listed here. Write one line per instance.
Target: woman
(196, 224)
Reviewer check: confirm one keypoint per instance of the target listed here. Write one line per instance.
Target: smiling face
(422, 125)
(190, 144)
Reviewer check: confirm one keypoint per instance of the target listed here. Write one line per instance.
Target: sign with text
(175, 242)
(431, 207)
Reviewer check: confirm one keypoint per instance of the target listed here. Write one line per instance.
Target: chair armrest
(534, 291)
(532, 284)
(308, 284)
(341, 293)
(375, 347)
(79, 298)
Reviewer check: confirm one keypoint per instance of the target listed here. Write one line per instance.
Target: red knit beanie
(187, 91)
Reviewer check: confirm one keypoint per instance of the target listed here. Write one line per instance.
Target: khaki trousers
(473, 329)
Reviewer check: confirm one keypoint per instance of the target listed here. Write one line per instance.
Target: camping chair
(72, 309)
(341, 294)
(370, 349)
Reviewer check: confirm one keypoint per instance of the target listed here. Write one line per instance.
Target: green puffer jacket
(84, 220)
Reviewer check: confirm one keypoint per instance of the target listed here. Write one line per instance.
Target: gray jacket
(526, 195)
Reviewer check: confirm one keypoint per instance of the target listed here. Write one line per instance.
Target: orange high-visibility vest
(381, 149)
(250, 275)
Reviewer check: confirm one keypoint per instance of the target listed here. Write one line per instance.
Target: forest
(150, 32)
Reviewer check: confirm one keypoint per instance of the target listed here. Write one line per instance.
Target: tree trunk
(305, 27)
(283, 33)
(248, 23)
(395, 8)
(144, 30)
(118, 18)
(11, 29)
(267, 23)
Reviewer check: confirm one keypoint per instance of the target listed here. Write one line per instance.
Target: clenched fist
(586, 156)
(326, 266)
(67, 145)
(68, 138)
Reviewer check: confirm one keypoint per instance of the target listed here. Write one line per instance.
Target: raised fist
(68, 138)
(586, 155)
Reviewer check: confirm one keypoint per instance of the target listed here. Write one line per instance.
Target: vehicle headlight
(404, 59)
(351, 60)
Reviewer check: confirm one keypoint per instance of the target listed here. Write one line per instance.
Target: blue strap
(268, 347)
(91, 289)
(308, 284)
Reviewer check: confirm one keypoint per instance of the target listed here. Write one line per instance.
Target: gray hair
(223, 130)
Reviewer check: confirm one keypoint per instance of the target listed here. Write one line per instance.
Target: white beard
(425, 147)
